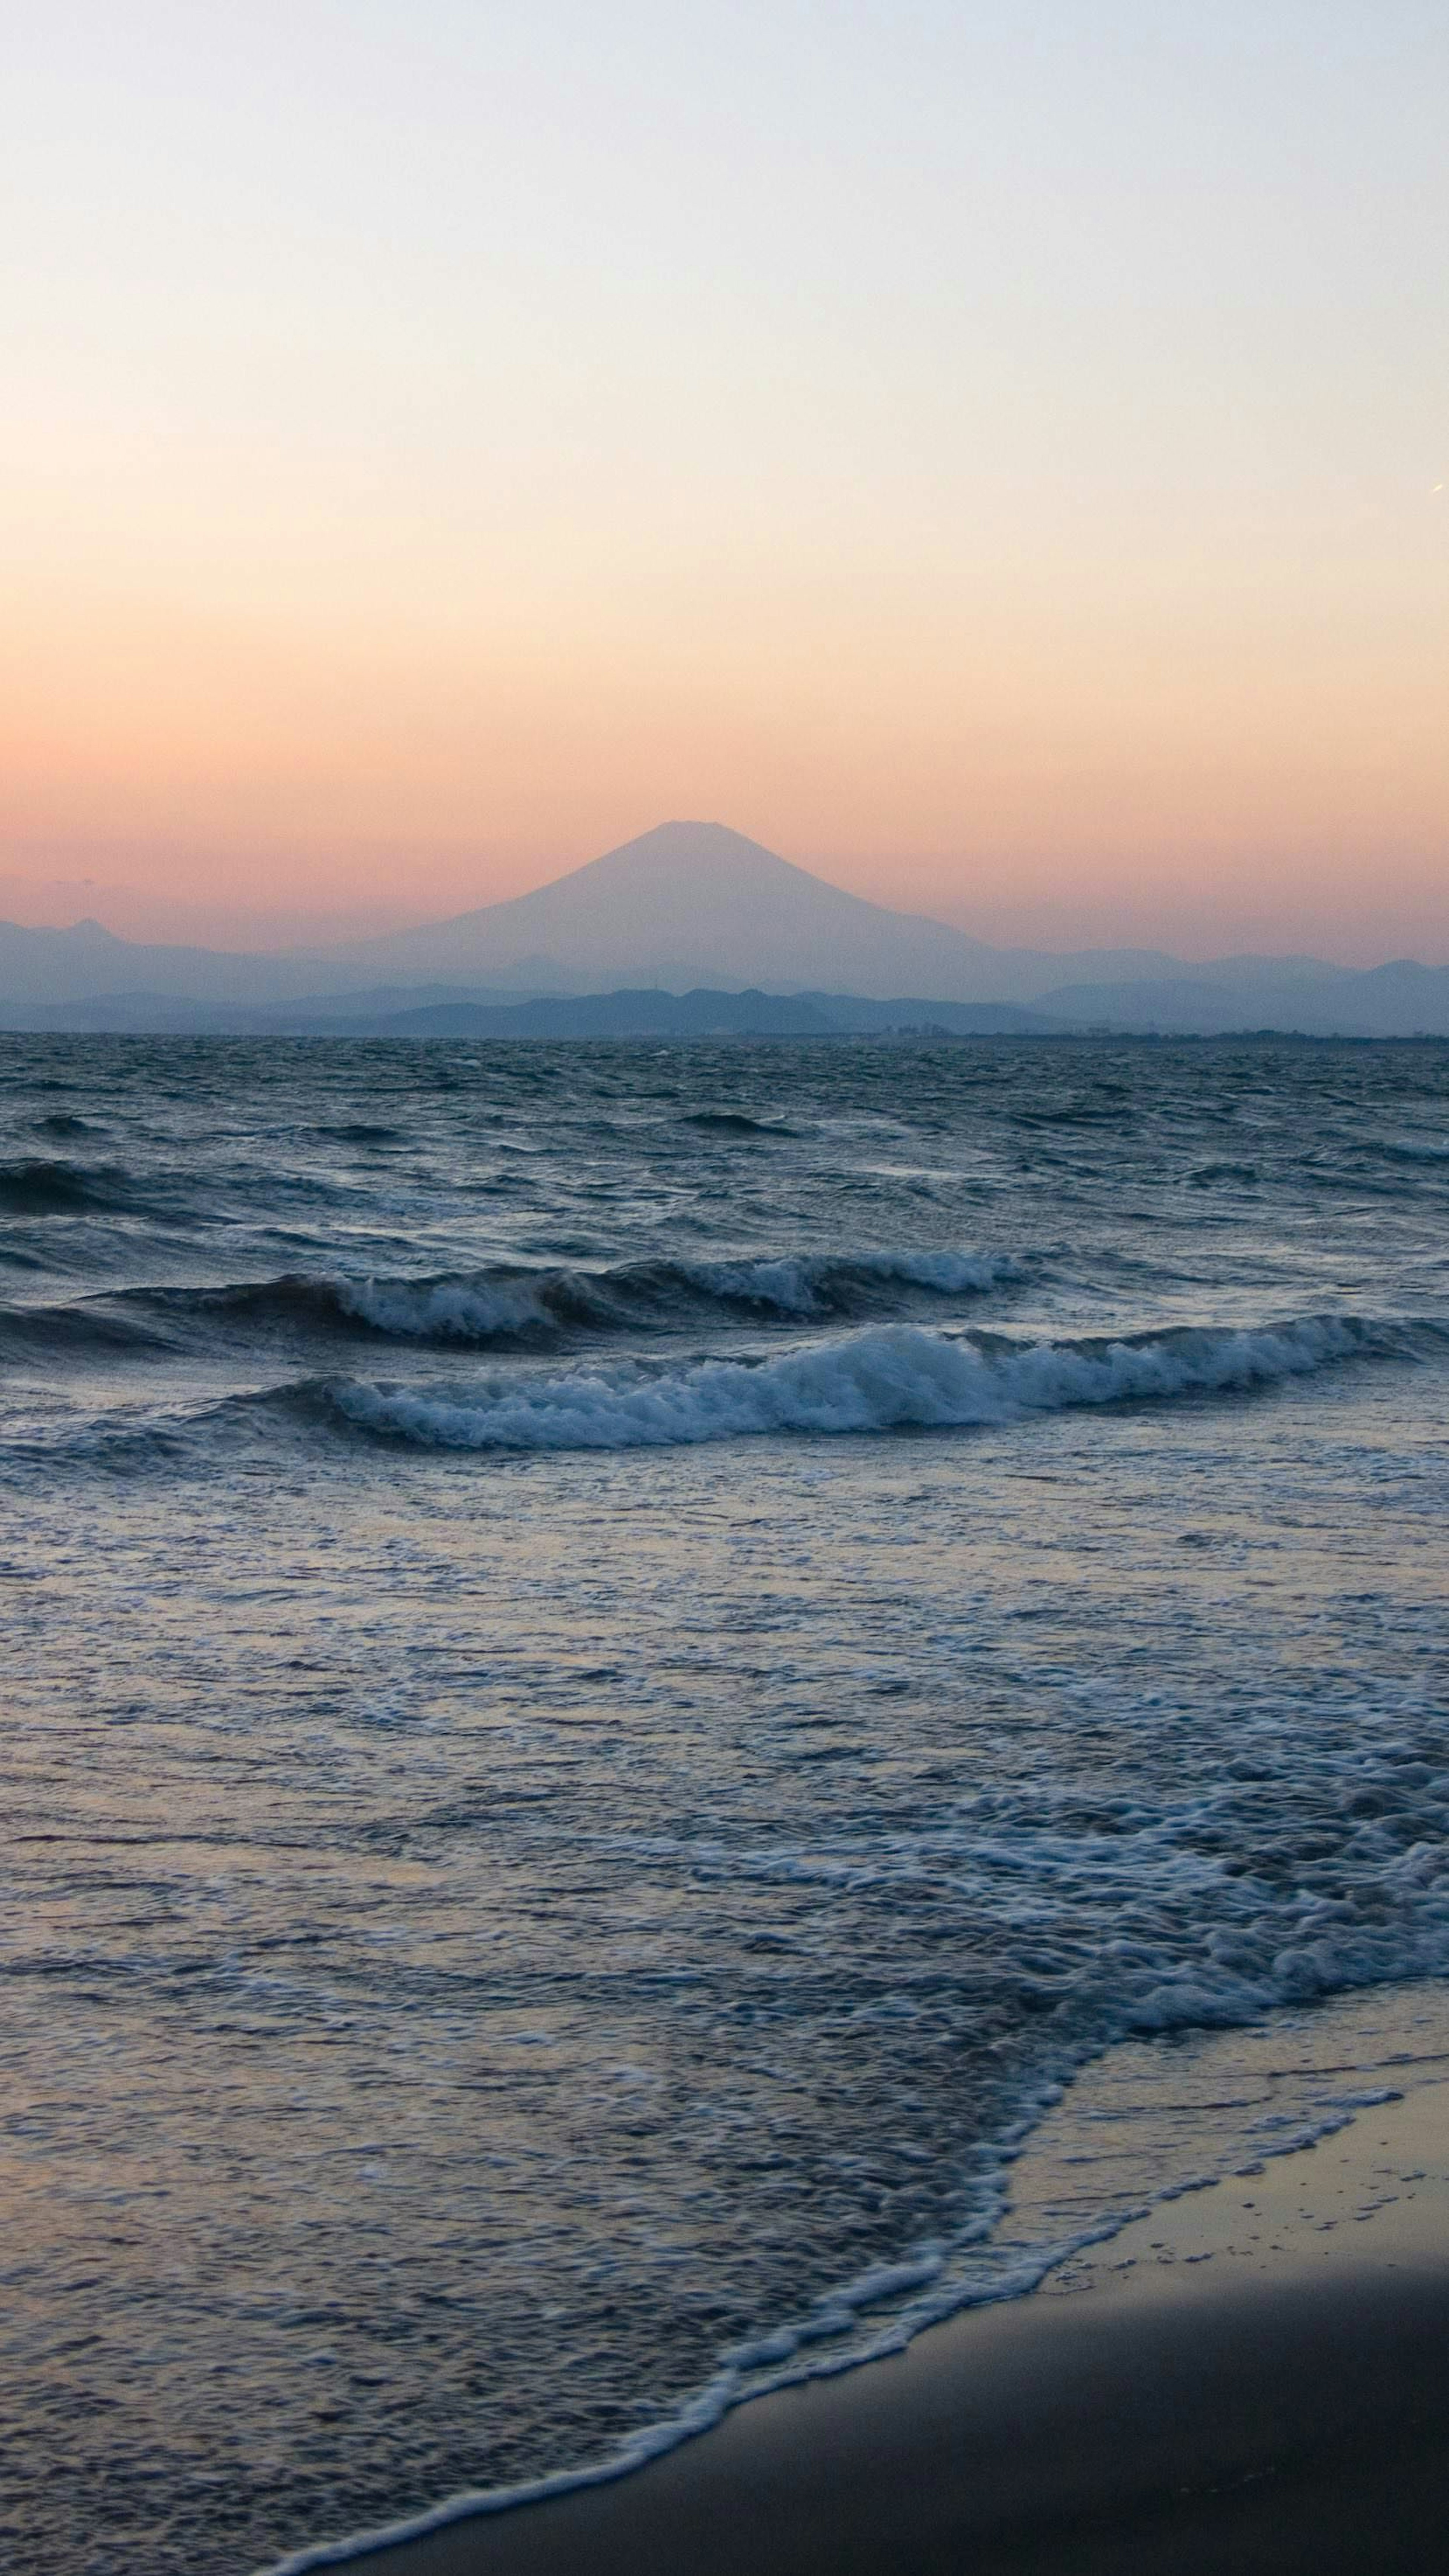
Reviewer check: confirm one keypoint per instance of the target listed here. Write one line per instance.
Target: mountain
(685, 909)
(1400, 1000)
(430, 1012)
(692, 904)
(687, 905)
(73, 968)
(706, 1014)
(81, 964)
(696, 904)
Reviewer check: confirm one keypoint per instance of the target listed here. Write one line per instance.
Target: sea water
(617, 1661)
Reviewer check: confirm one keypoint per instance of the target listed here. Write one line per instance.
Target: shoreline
(1254, 2375)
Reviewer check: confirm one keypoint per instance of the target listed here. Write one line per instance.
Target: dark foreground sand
(1255, 2378)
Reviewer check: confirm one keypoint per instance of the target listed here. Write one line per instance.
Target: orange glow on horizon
(998, 472)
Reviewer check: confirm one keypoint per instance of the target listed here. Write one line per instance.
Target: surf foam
(890, 1378)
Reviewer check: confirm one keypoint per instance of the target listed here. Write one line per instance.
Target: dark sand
(1254, 2378)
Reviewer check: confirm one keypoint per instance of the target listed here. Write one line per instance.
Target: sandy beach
(1254, 2376)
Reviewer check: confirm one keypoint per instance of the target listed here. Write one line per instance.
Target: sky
(995, 455)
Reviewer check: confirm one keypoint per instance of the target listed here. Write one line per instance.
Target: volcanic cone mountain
(690, 904)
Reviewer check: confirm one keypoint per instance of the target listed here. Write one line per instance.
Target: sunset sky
(994, 455)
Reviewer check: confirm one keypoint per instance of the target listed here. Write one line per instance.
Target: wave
(1408, 1150)
(885, 1378)
(39, 1186)
(891, 1378)
(735, 1122)
(508, 1304)
(62, 1123)
(84, 1329)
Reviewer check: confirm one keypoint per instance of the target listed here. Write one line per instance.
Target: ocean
(618, 1662)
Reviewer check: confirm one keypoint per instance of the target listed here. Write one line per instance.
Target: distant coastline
(689, 1019)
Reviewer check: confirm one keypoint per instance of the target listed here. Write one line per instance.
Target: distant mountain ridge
(693, 904)
(706, 1014)
(689, 908)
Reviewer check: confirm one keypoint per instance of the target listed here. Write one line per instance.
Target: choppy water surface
(616, 1661)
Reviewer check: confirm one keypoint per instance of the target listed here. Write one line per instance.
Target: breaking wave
(508, 1304)
(891, 1378)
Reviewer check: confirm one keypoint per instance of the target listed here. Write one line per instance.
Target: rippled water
(617, 1660)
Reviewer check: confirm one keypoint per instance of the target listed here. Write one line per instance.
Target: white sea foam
(467, 1310)
(895, 1377)
(938, 2283)
(502, 1304)
(805, 1285)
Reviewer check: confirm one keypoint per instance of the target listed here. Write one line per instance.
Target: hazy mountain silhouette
(87, 961)
(692, 904)
(703, 1013)
(1400, 999)
(685, 908)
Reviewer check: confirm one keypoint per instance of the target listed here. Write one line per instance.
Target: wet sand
(1252, 2378)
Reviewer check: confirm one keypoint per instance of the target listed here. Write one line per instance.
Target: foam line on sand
(1252, 2378)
